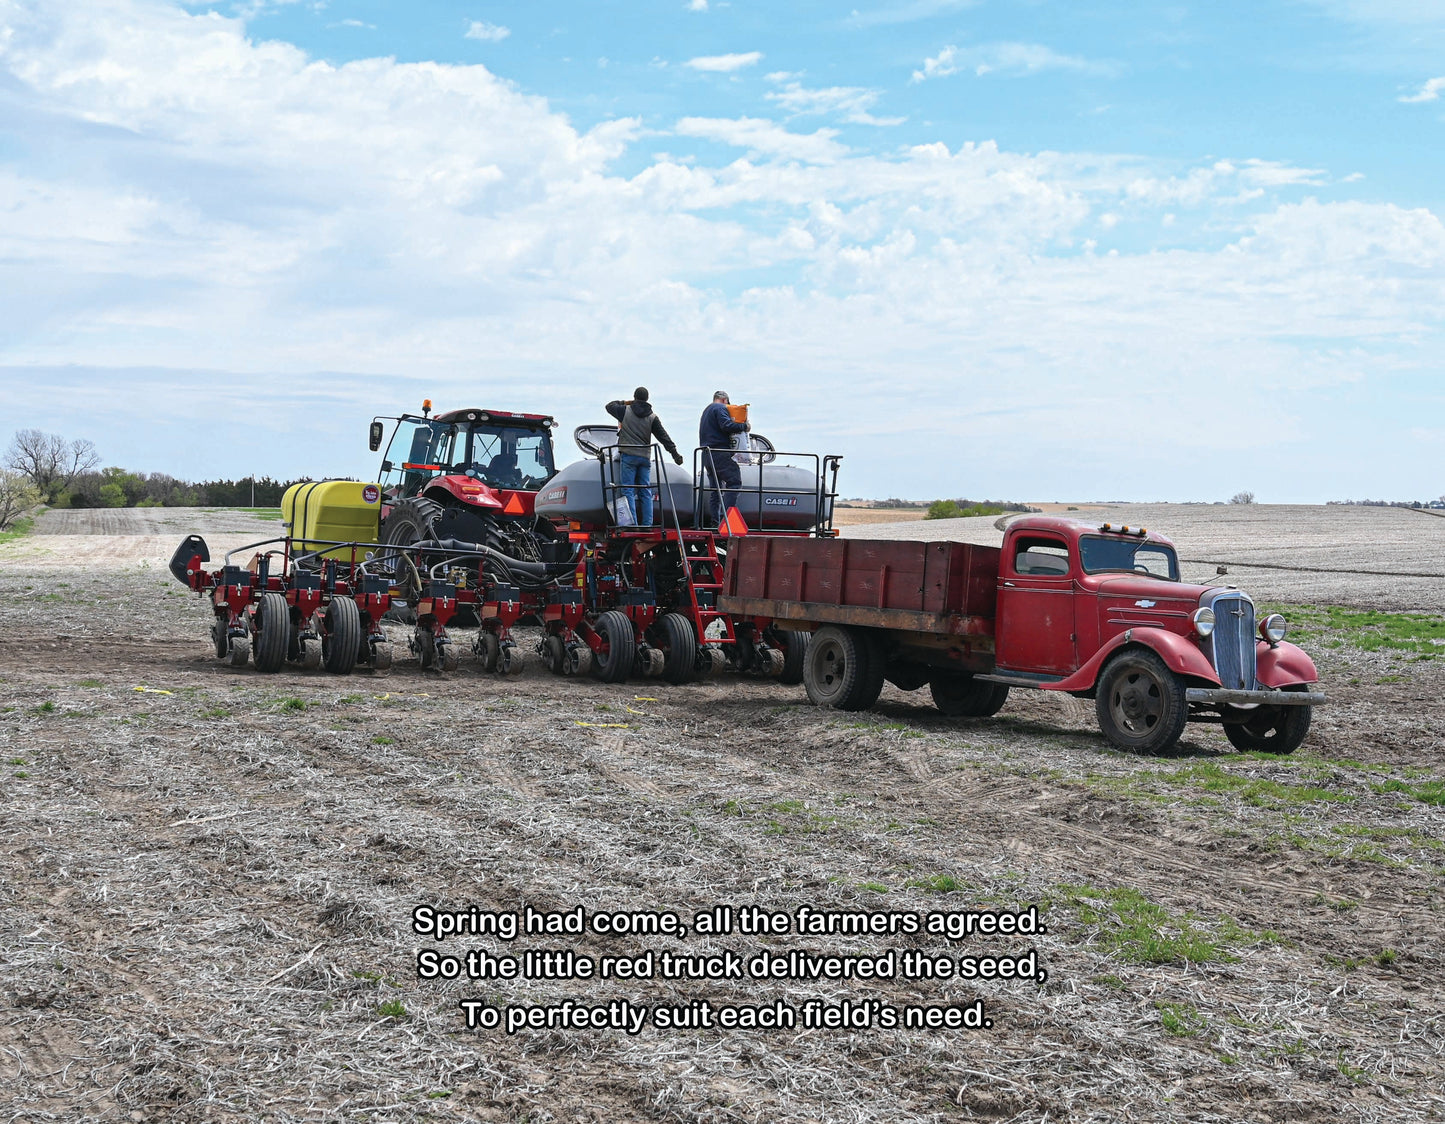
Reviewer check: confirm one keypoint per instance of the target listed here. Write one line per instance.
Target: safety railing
(776, 492)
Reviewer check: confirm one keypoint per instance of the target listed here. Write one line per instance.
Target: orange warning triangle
(514, 506)
(733, 523)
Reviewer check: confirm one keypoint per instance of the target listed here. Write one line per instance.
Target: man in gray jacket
(636, 427)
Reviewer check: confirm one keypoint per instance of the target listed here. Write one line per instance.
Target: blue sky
(1031, 250)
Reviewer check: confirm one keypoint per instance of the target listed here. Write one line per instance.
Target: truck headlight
(1204, 622)
(1273, 628)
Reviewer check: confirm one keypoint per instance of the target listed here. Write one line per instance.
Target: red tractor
(470, 476)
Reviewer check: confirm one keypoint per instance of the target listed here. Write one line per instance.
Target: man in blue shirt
(715, 435)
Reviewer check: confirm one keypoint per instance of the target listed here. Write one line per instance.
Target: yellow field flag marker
(606, 725)
(152, 691)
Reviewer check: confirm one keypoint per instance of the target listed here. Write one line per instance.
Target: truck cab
(1099, 610)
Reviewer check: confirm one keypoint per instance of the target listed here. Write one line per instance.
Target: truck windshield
(1100, 555)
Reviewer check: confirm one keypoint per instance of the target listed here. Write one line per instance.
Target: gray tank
(773, 496)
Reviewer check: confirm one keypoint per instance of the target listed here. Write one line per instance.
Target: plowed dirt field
(209, 875)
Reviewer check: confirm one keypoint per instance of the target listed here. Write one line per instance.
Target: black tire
(795, 655)
(959, 695)
(273, 616)
(1140, 702)
(907, 675)
(343, 639)
(554, 654)
(1271, 729)
(614, 664)
(221, 635)
(842, 669)
(675, 635)
(489, 650)
(410, 521)
(425, 644)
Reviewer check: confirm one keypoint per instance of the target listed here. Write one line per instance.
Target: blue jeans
(635, 476)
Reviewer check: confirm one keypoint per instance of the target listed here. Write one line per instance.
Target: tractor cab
(504, 452)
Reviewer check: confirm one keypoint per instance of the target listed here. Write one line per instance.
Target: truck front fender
(1179, 653)
(1283, 665)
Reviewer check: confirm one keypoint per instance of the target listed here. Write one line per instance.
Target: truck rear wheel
(959, 695)
(841, 669)
(794, 646)
(1140, 702)
(1271, 729)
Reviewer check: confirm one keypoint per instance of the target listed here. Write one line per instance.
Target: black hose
(521, 573)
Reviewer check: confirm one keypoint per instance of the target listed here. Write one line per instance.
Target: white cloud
(765, 137)
(355, 23)
(487, 32)
(852, 103)
(1430, 91)
(697, 5)
(1007, 58)
(245, 208)
(724, 64)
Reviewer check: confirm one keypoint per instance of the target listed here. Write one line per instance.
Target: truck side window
(1039, 556)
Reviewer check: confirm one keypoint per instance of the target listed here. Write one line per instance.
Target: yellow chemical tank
(331, 511)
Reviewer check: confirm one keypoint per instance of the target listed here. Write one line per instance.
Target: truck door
(1035, 629)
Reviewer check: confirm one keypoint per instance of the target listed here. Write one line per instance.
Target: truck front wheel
(1140, 702)
(841, 669)
(959, 695)
(1271, 729)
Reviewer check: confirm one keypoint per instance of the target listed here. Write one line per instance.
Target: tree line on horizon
(45, 468)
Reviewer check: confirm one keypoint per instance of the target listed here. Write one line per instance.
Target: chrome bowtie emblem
(1145, 604)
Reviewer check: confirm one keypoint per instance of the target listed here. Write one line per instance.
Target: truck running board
(1021, 678)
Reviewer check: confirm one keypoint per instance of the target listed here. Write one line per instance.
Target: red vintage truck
(1092, 609)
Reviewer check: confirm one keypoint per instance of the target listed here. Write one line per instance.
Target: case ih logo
(555, 495)
(781, 501)
(371, 493)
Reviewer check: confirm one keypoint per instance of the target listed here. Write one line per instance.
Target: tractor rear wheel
(614, 663)
(410, 521)
(842, 670)
(273, 616)
(343, 640)
(676, 637)
(960, 695)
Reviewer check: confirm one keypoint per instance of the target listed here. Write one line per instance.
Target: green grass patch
(392, 1009)
(216, 712)
(1421, 634)
(382, 739)
(1180, 1019)
(1141, 931)
(1430, 792)
(291, 705)
(90, 683)
(875, 887)
(272, 513)
(47, 707)
(1208, 776)
(18, 530)
(937, 884)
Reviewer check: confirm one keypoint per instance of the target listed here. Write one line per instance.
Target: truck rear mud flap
(1217, 696)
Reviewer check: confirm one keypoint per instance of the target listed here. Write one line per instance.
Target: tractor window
(1100, 554)
(512, 456)
(1040, 557)
(418, 451)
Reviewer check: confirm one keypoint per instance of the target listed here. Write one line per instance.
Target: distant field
(852, 516)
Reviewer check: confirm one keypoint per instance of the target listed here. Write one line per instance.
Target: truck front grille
(1233, 641)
